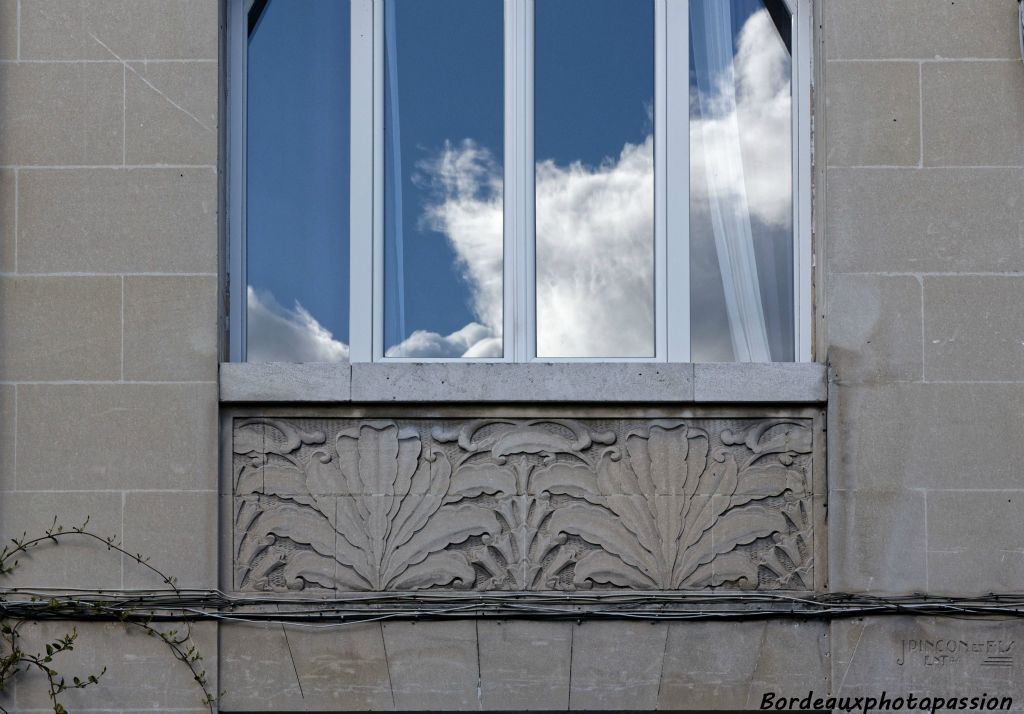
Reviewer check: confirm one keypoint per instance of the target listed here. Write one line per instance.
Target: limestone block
(975, 541)
(936, 220)
(878, 541)
(927, 656)
(433, 665)
(973, 113)
(170, 328)
(65, 327)
(525, 664)
(285, 382)
(171, 113)
(617, 664)
(427, 382)
(974, 328)
(920, 29)
(177, 531)
(142, 674)
(873, 114)
(730, 665)
(947, 436)
(74, 562)
(126, 29)
(113, 220)
(279, 668)
(117, 436)
(874, 327)
(8, 229)
(7, 432)
(738, 382)
(61, 114)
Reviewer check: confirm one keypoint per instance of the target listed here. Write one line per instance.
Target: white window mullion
(363, 198)
(803, 49)
(511, 269)
(675, 134)
(523, 207)
(237, 282)
(661, 300)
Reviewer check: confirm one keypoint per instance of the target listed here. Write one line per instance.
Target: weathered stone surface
(77, 561)
(8, 227)
(61, 114)
(874, 327)
(126, 29)
(273, 668)
(142, 674)
(8, 29)
(170, 328)
(522, 504)
(878, 541)
(587, 382)
(285, 382)
(63, 327)
(7, 431)
(617, 664)
(973, 113)
(75, 220)
(873, 114)
(524, 664)
(949, 436)
(433, 665)
(920, 29)
(975, 541)
(974, 328)
(927, 657)
(739, 382)
(171, 113)
(129, 436)
(730, 665)
(909, 220)
(177, 531)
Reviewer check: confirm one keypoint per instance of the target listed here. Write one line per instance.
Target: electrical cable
(215, 605)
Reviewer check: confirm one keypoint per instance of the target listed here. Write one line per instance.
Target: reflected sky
(444, 138)
(297, 179)
(594, 99)
(444, 111)
(741, 221)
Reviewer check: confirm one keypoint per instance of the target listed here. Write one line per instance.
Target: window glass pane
(741, 200)
(297, 178)
(443, 155)
(594, 146)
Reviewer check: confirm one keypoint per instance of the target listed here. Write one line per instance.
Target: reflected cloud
(279, 334)
(595, 266)
(594, 247)
(762, 111)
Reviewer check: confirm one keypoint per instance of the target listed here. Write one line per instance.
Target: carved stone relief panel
(522, 504)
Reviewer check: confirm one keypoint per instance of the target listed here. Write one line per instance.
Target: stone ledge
(585, 382)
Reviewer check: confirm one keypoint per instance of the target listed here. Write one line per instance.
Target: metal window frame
(672, 178)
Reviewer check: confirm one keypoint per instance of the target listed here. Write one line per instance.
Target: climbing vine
(16, 660)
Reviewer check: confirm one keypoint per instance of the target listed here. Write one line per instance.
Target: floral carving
(389, 531)
(675, 514)
(523, 504)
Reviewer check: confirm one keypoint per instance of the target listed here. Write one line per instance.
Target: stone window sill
(588, 382)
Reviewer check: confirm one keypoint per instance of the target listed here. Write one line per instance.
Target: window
(517, 180)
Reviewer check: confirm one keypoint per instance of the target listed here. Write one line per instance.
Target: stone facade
(904, 477)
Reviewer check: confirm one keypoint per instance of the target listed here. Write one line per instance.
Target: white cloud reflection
(595, 280)
(279, 334)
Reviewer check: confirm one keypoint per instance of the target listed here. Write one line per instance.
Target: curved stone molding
(522, 504)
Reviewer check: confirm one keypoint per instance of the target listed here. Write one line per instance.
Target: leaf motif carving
(522, 504)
